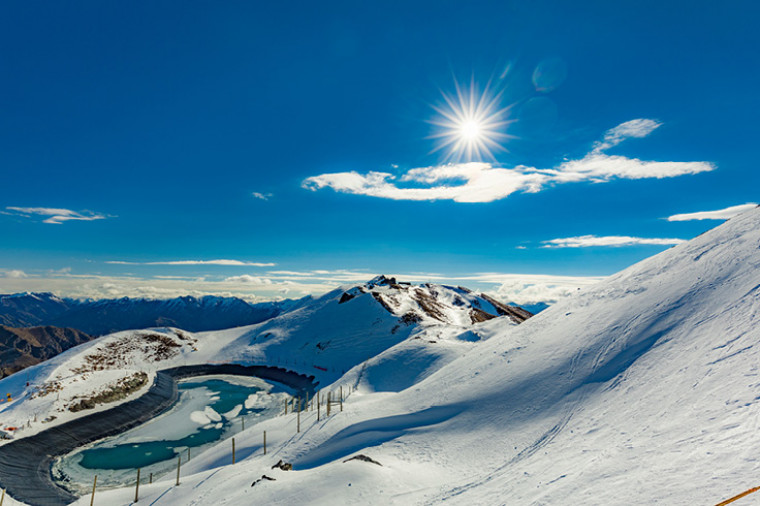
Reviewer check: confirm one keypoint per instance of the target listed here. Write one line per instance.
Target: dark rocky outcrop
(515, 313)
(285, 466)
(264, 477)
(120, 390)
(363, 458)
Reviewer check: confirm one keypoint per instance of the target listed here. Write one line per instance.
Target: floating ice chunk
(212, 414)
(233, 412)
(200, 417)
(253, 400)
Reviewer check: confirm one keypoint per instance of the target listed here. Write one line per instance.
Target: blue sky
(297, 142)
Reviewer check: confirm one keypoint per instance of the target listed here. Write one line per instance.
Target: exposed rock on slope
(20, 348)
(441, 303)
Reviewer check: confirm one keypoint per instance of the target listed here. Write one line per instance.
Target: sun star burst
(470, 124)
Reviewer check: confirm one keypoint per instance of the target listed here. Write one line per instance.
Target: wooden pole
(233, 450)
(341, 397)
(328, 402)
(265, 442)
(307, 401)
(137, 485)
(242, 423)
(317, 406)
(188, 454)
(2, 498)
(179, 458)
(94, 484)
(150, 478)
(298, 427)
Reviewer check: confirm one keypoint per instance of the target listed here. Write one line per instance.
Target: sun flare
(471, 124)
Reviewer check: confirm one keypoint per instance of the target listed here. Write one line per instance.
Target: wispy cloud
(587, 241)
(12, 273)
(637, 128)
(55, 216)
(535, 288)
(229, 263)
(484, 182)
(248, 279)
(262, 196)
(720, 214)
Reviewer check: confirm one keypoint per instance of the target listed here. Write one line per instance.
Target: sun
(471, 124)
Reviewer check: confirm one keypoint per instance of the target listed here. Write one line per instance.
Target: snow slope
(644, 389)
(324, 337)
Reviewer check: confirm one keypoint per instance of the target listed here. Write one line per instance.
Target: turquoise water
(226, 397)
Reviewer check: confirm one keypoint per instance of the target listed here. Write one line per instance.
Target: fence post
(329, 398)
(265, 442)
(137, 485)
(150, 478)
(298, 427)
(341, 397)
(179, 458)
(94, 484)
(233, 450)
(188, 454)
(286, 406)
(317, 406)
(242, 423)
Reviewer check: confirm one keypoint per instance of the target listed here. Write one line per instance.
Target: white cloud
(484, 182)
(55, 216)
(13, 273)
(721, 214)
(518, 288)
(601, 168)
(461, 182)
(587, 241)
(229, 263)
(262, 196)
(248, 279)
(637, 128)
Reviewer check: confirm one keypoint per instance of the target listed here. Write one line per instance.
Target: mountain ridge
(104, 316)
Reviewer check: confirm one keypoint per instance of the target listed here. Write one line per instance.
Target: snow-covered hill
(642, 389)
(324, 337)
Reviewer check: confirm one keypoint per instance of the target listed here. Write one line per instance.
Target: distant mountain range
(100, 317)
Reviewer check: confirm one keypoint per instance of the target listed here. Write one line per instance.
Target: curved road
(25, 463)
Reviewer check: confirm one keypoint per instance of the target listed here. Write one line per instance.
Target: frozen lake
(209, 408)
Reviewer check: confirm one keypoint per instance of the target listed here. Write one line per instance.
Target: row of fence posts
(295, 405)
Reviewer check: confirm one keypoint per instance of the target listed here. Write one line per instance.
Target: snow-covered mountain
(323, 337)
(642, 389)
(100, 317)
